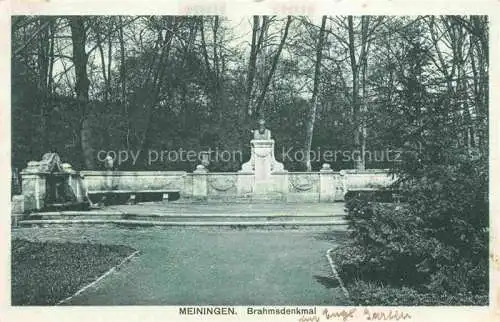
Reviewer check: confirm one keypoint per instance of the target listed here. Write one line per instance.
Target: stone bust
(262, 133)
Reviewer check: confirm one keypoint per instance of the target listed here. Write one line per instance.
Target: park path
(209, 266)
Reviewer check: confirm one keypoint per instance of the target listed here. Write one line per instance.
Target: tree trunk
(252, 65)
(43, 69)
(103, 67)
(205, 51)
(122, 64)
(148, 99)
(80, 57)
(358, 122)
(480, 27)
(314, 98)
(273, 67)
(216, 56)
(359, 162)
(363, 105)
(52, 58)
(123, 83)
(110, 61)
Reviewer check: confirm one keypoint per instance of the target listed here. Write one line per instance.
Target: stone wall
(323, 186)
(133, 180)
(373, 178)
(261, 178)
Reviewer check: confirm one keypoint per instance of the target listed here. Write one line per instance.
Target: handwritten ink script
(393, 315)
(347, 314)
(344, 314)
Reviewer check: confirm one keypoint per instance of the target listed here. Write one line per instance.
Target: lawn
(209, 266)
(44, 273)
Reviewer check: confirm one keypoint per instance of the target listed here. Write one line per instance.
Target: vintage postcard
(250, 160)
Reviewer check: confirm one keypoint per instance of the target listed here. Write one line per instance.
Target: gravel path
(209, 266)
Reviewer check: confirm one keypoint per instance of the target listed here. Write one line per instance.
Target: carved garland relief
(222, 183)
(302, 183)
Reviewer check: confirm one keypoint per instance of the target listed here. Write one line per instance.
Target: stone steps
(198, 217)
(242, 219)
(246, 200)
(63, 222)
(209, 214)
(284, 208)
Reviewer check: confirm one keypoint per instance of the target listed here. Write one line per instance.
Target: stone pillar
(262, 152)
(264, 165)
(327, 184)
(281, 182)
(246, 178)
(17, 204)
(245, 184)
(33, 187)
(77, 185)
(109, 180)
(200, 188)
(74, 181)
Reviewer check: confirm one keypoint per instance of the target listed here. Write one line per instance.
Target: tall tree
(163, 76)
(258, 29)
(82, 83)
(314, 98)
(275, 61)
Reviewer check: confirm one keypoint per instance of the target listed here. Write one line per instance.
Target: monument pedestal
(262, 164)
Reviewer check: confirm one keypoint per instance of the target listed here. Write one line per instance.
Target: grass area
(248, 267)
(44, 273)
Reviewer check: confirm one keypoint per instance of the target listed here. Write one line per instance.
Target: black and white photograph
(285, 163)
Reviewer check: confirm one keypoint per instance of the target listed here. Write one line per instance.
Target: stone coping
(222, 173)
(182, 173)
(26, 172)
(317, 173)
(312, 172)
(367, 171)
(131, 191)
(133, 173)
(170, 173)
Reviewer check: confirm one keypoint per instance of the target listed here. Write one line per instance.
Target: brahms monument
(262, 162)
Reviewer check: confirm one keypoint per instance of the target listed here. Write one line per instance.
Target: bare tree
(359, 39)
(82, 83)
(314, 98)
(255, 49)
(276, 58)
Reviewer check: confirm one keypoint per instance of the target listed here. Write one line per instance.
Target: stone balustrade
(261, 178)
(325, 185)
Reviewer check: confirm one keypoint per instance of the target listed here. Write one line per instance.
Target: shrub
(451, 201)
(363, 293)
(436, 243)
(386, 245)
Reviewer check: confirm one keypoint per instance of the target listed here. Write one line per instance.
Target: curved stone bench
(130, 196)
